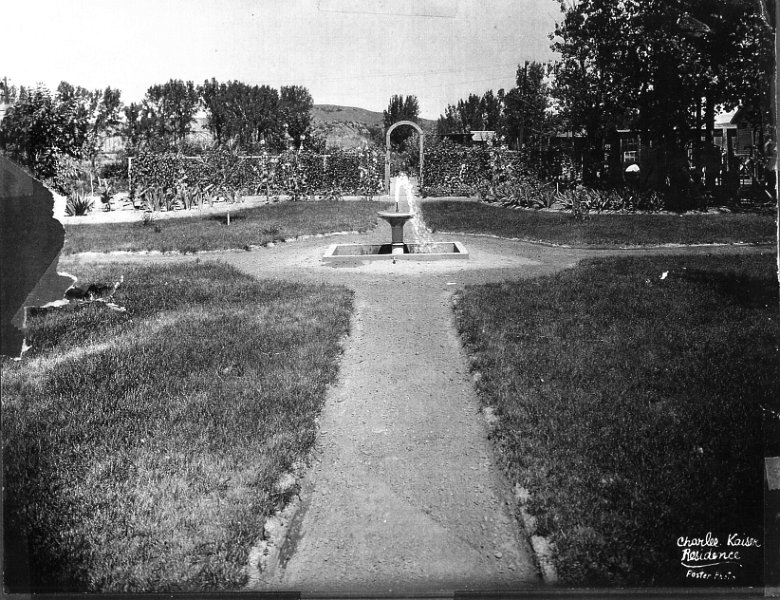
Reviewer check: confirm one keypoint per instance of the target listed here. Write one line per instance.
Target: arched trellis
(387, 151)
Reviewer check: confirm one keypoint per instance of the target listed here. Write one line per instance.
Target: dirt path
(405, 493)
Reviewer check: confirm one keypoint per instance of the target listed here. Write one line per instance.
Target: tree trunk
(709, 118)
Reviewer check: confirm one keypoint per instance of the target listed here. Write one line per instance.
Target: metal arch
(387, 150)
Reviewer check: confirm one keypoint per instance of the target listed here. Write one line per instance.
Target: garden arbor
(387, 150)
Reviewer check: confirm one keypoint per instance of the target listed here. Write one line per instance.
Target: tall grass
(253, 226)
(598, 229)
(141, 448)
(630, 405)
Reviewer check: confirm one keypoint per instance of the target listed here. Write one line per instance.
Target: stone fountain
(396, 220)
(423, 248)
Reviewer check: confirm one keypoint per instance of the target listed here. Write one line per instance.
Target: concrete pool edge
(361, 252)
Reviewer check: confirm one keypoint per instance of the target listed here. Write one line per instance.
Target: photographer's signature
(715, 559)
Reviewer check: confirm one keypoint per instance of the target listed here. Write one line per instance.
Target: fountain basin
(360, 252)
(395, 218)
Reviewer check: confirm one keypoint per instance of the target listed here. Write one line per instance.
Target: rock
(490, 415)
(285, 483)
(522, 495)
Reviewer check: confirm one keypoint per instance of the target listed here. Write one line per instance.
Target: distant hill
(350, 126)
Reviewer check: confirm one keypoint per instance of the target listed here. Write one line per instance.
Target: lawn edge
(248, 248)
(607, 246)
(272, 547)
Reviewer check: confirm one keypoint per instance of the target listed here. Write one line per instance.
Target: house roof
(482, 136)
(726, 120)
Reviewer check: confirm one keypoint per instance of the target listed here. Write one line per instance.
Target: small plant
(333, 194)
(149, 219)
(106, 191)
(273, 229)
(78, 205)
(153, 198)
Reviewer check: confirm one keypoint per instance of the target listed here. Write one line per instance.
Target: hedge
(162, 179)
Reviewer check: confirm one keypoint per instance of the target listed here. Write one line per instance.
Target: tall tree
(475, 113)
(213, 95)
(8, 92)
(401, 108)
(493, 106)
(35, 132)
(295, 105)
(172, 108)
(239, 111)
(101, 116)
(450, 121)
(471, 113)
(90, 117)
(526, 105)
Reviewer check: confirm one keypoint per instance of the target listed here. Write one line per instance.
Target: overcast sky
(350, 52)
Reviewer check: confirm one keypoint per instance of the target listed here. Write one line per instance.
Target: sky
(348, 52)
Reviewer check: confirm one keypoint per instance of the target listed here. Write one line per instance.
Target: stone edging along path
(603, 246)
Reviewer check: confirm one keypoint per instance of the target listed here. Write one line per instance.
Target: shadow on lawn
(745, 290)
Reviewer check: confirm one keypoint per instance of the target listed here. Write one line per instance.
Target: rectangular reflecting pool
(432, 251)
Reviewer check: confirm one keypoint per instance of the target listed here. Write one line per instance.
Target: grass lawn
(599, 229)
(252, 226)
(141, 449)
(630, 405)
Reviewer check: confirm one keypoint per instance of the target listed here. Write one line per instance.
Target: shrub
(78, 204)
(115, 171)
(223, 174)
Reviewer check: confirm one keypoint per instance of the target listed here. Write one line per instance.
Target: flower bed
(513, 179)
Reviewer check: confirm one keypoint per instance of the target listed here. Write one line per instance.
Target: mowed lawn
(141, 448)
(630, 394)
(599, 229)
(248, 227)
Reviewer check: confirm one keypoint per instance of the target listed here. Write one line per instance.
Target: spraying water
(422, 236)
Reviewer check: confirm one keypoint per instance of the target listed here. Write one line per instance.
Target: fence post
(130, 178)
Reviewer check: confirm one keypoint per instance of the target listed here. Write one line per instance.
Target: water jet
(424, 248)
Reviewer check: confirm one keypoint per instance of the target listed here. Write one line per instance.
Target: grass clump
(597, 229)
(248, 227)
(141, 449)
(630, 405)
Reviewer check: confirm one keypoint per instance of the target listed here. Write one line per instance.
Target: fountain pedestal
(396, 221)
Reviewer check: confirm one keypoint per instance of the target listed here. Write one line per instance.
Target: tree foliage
(240, 112)
(40, 127)
(8, 92)
(525, 115)
(245, 115)
(519, 115)
(401, 108)
(169, 109)
(295, 104)
(662, 67)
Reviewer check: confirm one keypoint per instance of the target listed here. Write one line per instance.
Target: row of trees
(40, 128)
(663, 68)
(237, 113)
(660, 67)
(520, 115)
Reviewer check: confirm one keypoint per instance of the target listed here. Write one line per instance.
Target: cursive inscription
(710, 558)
